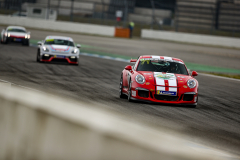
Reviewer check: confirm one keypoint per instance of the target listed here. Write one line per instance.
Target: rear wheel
(129, 91)
(121, 95)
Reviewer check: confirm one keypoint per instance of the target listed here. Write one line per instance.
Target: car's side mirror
(194, 73)
(39, 43)
(133, 60)
(128, 67)
(78, 46)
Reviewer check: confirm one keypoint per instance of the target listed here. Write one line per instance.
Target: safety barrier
(58, 25)
(40, 126)
(191, 38)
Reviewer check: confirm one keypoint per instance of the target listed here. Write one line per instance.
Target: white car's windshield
(162, 66)
(58, 42)
(16, 30)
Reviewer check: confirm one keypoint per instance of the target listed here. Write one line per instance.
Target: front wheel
(129, 91)
(121, 95)
(38, 57)
(192, 106)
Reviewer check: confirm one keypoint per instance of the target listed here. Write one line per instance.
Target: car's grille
(46, 57)
(144, 94)
(188, 97)
(166, 98)
(59, 60)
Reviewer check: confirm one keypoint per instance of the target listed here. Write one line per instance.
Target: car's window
(59, 42)
(162, 66)
(16, 30)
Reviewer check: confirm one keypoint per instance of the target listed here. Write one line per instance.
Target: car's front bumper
(149, 94)
(54, 58)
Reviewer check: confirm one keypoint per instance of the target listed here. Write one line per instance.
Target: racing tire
(38, 57)
(6, 42)
(129, 91)
(195, 105)
(192, 106)
(25, 43)
(121, 95)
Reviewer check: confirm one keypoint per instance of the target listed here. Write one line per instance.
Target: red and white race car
(15, 34)
(159, 79)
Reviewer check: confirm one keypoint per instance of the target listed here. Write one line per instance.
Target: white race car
(15, 34)
(58, 49)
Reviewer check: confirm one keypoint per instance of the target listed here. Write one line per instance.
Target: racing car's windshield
(59, 42)
(16, 30)
(162, 66)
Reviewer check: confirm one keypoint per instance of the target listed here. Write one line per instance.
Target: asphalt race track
(215, 121)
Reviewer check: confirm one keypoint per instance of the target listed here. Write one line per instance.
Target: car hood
(161, 78)
(17, 34)
(60, 48)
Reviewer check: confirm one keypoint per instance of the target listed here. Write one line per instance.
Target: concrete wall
(39, 126)
(144, 15)
(191, 38)
(58, 25)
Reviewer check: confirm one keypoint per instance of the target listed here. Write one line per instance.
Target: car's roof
(16, 27)
(59, 37)
(161, 57)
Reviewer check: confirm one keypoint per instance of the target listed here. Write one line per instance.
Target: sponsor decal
(49, 40)
(150, 78)
(56, 56)
(184, 86)
(147, 83)
(181, 76)
(165, 76)
(60, 50)
(152, 90)
(180, 81)
(167, 93)
(148, 74)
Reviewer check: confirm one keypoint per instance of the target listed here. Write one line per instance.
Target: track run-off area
(215, 122)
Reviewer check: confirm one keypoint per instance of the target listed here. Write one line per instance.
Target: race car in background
(159, 79)
(58, 49)
(15, 34)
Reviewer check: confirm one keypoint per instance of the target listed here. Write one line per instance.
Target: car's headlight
(45, 49)
(27, 36)
(75, 50)
(140, 79)
(191, 83)
(6, 34)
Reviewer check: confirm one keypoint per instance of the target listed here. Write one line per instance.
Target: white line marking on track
(209, 75)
